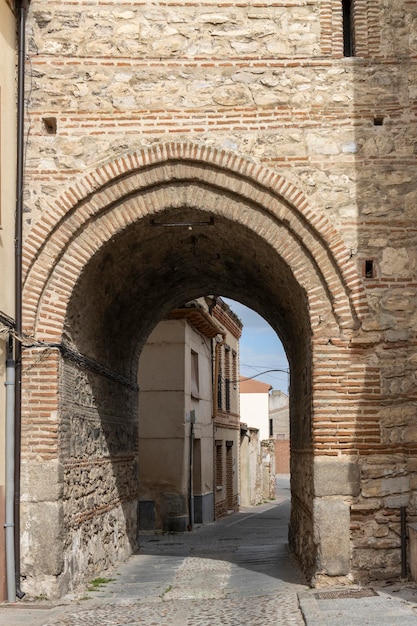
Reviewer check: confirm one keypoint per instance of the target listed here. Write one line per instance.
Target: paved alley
(237, 571)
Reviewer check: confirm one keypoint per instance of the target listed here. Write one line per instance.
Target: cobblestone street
(237, 571)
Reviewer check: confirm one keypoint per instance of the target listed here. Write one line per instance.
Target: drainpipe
(23, 8)
(10, 463)
(190, 477)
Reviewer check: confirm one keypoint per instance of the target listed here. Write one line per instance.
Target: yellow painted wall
(7, 209)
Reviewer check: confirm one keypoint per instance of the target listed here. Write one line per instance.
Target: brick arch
(51, 310)
(100, 205)
(116, 202)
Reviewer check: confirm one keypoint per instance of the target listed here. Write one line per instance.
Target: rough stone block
(42, 538)
(397, 484)
(336, 477)
(332, 535)
(41, 482)
(396, 502)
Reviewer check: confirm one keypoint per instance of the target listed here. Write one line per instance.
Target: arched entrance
(125, 245)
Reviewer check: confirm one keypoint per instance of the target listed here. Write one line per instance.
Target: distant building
(279, 427)
(250, 474)
(258, 476)
(188, 417)
(254, 405)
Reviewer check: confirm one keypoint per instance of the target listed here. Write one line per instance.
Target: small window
(219, 464)
(195, 382)
(271, 427)
(220, 381)
(369, 269)
(348, 39)
(234, 368)
(227, 377)
(227, 390)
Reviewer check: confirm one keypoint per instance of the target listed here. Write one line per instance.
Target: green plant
(95, 584)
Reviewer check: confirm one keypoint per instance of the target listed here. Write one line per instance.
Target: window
(229, 475)
(227, 377)
(234, 368)
(348, 39)
(195, 387)
(369, 269)
(220, 382)
(227, 390)
(219, 464)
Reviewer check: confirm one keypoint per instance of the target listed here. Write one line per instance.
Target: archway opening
(264, 405)
(206, 438)
(140, 275)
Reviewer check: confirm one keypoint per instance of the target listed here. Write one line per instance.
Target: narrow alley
(236, 571)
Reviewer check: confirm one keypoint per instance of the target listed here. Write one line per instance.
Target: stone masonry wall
(79, 478)
(99, 447)
(268, 81)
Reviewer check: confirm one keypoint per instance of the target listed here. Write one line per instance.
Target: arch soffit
(177, 164)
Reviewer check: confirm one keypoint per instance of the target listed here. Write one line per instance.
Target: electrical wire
(70, 354)
(223, 380)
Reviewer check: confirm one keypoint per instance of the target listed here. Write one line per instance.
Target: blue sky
(260, 348)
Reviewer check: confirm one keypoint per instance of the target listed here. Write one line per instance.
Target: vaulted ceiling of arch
(134, 281)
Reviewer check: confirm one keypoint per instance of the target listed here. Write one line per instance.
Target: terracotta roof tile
(250, 385)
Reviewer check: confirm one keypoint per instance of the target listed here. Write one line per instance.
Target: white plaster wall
(7, 155)
(254, 411)
(164, 404)
(279, 412)
(7, 209)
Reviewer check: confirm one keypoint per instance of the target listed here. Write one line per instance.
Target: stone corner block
(332, 536)
(42, 481)
(336, 477)
(42, 538)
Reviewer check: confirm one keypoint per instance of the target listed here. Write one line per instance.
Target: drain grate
(345, 593)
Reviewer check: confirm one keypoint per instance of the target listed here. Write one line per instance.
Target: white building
(254, 405)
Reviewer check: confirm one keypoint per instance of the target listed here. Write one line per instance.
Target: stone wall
(282, 455)
(268, 468)
(81, 500)
(99, 447)
(301, 529)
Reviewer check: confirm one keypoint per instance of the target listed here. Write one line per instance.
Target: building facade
(262, 151)
(7, 235)
(279, 428)
(254, 412)
(226, 418)
(250, 466)
(187, 422)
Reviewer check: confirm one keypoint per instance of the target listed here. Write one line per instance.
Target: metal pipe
(10, 462)
(191, 470)
(24, 4)
(403, 511)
